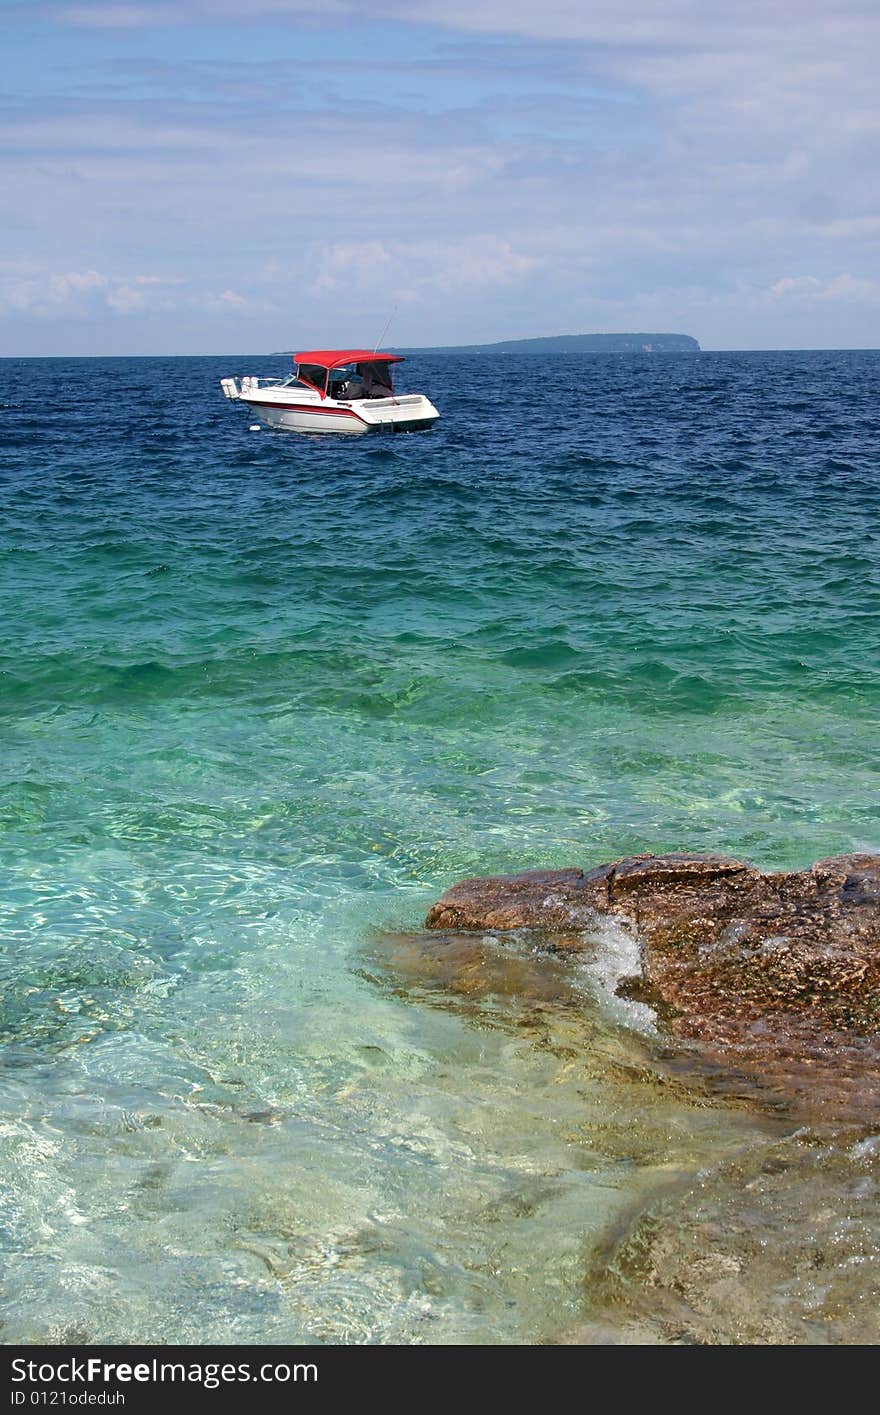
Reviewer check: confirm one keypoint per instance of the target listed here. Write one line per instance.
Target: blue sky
(211, 176)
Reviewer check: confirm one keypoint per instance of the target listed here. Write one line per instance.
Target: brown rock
(777, 972)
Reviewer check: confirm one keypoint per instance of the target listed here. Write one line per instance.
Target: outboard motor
(230, 388)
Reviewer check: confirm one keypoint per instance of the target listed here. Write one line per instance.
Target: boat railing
(395, 400)
(239, 388)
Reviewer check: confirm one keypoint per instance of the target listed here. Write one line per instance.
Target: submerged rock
(777, 973)
(779, 1245)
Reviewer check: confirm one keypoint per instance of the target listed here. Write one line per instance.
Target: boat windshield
(313, 376)
(371, 379)
(293, 382)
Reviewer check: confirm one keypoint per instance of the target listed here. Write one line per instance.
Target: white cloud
(422, 268)
(60, 289)
(125, 299)
(227, 302)
(51, 291)
(843, 288)
(50, 294)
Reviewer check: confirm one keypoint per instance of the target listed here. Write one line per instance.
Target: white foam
(867, 1149)
(617, 956)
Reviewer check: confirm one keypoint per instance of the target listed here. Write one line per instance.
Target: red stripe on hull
(302, 408)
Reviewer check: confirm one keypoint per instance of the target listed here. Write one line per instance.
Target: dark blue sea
(263, 697)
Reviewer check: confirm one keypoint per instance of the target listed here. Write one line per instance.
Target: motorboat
(335, 390)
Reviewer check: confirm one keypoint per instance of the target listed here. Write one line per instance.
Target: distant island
(576, 344)
(557, 344)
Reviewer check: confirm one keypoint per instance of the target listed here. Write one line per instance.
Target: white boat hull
(285, 409)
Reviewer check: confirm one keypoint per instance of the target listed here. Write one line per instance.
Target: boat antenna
(385, 330)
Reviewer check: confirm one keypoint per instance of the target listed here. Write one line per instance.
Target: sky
(213, 176)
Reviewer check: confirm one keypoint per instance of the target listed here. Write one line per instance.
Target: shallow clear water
(262, 697)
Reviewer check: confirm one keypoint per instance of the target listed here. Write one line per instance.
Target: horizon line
(431, 348)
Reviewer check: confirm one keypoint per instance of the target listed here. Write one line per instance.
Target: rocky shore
(775, 974)
(766, 991)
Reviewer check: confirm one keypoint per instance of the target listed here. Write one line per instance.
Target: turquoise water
(265, 696)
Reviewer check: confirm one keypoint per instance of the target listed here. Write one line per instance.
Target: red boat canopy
(332, 358)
